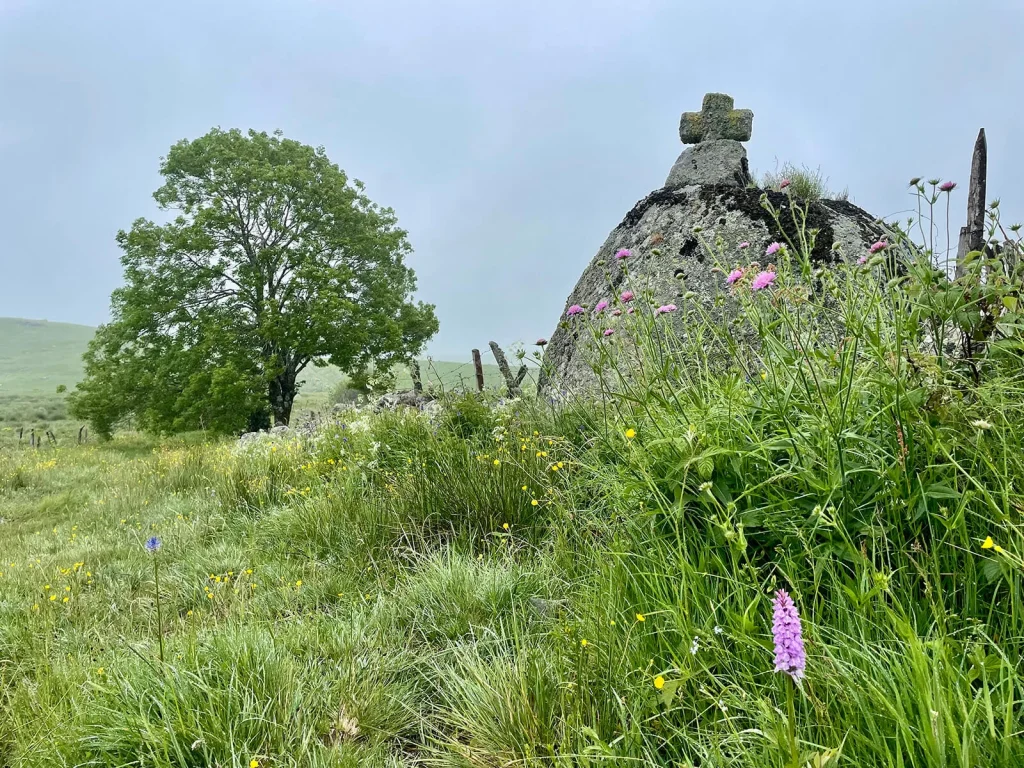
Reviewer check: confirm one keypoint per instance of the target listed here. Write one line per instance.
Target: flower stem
(159, 615)
(791, 708)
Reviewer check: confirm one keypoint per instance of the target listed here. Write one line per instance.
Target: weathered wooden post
(972, 236)
(479, 367)
(414, 372)
(21, 431)
(513, 383)
(81, 434)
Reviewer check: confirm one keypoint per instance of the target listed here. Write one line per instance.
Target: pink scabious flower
(541, 342)
(602, 305)
(784, 183)
(881, 245)
(623, 253)
(947, 186)
(743, 245)
(862, 260)
(762, 280)
(627, 296)
(773, 249)
(575, 309)
(609, 331)
(665, 308)
(616, 312)
(789, 643)
(733, 276)
(630, 311)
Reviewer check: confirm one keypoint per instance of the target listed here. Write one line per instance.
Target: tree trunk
(282, 396)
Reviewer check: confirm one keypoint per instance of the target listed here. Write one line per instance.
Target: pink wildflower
(541, 342)
(763, 280)
(630, 311)
(602, 305)
(733, 276)
(773, 249)
(879, 246)
(616, 312)
(609, 331)
(862, 260)
(575, 309)
(947, 186)
(665, 308)
(786, 632)
(744, 244)
(627, 296)
(784, 183)
(623, 253)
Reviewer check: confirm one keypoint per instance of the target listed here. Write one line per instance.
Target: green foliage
(467, 415)
(274, 262)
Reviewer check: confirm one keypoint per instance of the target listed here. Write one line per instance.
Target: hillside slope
(37, 356)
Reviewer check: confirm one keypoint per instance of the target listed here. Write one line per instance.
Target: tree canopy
(273, 262)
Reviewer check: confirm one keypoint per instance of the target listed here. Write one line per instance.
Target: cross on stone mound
(716, 120)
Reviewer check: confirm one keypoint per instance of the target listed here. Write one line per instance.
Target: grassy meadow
(587, 582)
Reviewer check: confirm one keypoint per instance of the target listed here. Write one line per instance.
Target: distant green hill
(37, 356)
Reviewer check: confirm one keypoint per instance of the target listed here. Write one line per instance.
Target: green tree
(274, 261)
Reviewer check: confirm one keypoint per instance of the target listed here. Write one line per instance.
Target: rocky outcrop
(706, 200)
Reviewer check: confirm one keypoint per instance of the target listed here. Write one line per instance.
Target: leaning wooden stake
(479, 367)
(414, 372)
(513, 383)
(972, 237)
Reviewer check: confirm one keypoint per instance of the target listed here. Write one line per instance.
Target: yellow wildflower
(641, 617)
(988, 543)
(659, 682)
(630, 433)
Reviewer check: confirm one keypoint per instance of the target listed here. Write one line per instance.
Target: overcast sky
(509, 137)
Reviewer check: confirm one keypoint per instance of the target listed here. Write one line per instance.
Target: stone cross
(716, 120)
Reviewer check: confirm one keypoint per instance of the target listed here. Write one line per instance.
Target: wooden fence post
(414, 372)
(511, 382)
(972, 236)
(479, 367)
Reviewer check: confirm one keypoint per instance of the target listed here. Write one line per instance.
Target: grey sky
(509, 137)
